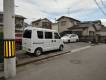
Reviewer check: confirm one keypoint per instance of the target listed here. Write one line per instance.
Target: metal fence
(86, 38)
(100, 39)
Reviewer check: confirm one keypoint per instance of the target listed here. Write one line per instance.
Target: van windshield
(27, 34)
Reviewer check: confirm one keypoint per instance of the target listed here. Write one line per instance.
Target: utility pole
(9, 39)
(68, 11)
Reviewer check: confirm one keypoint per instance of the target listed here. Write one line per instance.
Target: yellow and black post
(9, 48)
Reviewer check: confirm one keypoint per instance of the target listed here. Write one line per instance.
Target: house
(84, 30)
(65, 22)
(42, 23)
(1, 27)
(102, 31)
(88, 30)
(19, 26)
(102, 34)
(55, 26)
(1, 21)
(26, 25)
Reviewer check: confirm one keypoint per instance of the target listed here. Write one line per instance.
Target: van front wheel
(61, 48)
(38, 52)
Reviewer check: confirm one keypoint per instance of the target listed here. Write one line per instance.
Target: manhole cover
(75, 61)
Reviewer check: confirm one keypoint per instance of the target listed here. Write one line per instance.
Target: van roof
(32, 28)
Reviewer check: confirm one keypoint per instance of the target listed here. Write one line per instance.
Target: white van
(38, 40)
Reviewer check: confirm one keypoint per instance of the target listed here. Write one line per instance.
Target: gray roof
(40, 20)
(82, 26)
(20, 16)
(68, 18)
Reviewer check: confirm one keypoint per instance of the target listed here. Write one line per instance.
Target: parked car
(70, 38)
(38, 40)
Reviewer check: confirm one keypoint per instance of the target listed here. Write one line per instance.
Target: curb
(36, 60)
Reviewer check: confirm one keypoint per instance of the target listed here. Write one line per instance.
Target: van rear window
(27, 34)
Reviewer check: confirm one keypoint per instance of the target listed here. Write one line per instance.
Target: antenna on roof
(68, 11)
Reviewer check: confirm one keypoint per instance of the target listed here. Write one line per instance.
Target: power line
(103, 3)
(99, 7)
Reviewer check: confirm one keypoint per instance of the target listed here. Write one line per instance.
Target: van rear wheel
(69, 41)
(38, 52)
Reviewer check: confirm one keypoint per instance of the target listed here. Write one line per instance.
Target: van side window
(48, 35)
(27, 34)
(40, 34)
(56, 36)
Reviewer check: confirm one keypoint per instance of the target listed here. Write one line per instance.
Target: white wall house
(55, 26)
(65, 22)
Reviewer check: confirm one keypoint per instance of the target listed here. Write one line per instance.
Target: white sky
(78, 9)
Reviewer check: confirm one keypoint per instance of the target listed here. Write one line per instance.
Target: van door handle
(54, 40)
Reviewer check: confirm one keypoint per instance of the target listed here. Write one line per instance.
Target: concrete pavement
(89, 64)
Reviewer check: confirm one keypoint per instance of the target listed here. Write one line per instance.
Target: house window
(36, 24)
(1, 19)
(91, 33)
(18, 26)
(63, 23)
(45, 24)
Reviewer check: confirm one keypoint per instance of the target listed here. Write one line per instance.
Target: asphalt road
(23, 58)
(89, 64)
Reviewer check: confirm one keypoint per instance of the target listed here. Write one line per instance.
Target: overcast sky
(51, 9)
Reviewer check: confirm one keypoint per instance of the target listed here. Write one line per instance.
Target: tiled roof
(36, 20)
(68, 18)
(40, 20)
(78, 27)
(20, 16)
(82, 26)
(16, 15)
